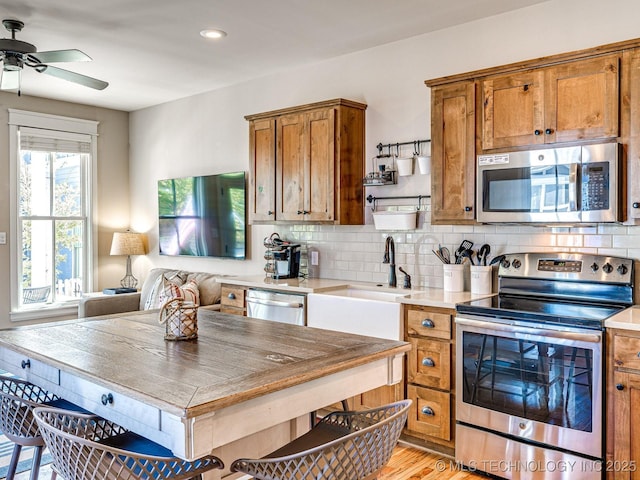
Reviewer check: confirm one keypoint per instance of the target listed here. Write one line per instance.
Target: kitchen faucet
(390, 258)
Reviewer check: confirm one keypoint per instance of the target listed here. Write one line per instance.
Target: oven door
(536, 384)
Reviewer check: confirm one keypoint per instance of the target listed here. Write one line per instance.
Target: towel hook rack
(416, 145)
(374, 200)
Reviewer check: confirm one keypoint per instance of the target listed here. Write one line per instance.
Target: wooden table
(241, 375)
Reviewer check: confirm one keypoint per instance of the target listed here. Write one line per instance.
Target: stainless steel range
(529, 380)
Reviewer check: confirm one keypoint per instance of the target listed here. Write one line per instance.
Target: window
(51, 207)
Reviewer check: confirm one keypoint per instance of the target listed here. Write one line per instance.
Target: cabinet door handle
(107, 398)
(619, 386)
(636, 204)
(468, 208)
(537, 132)
(303, 212)
(549, 131)
(428, 362)
(25, 364)
(428, 323)
(269, 212)
(428, 411)
(231, 296)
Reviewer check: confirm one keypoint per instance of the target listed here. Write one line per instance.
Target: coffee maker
(286, 261)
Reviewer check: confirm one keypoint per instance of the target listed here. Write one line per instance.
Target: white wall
(208, 134)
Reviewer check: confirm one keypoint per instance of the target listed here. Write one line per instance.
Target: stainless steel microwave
(568, 185)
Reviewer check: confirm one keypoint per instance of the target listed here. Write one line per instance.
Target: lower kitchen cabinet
(232, 300)
(623, 400)
(430, 377)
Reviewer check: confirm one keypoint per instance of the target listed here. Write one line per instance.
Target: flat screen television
(203, 216)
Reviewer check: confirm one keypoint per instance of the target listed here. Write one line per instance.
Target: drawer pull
(106, 399)
(26, 364)
(428, 323)
(231, 296)
(428, 362)
(620, 387)
(638, 354)
(428, 411)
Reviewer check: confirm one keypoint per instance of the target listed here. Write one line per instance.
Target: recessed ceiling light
(213, 33)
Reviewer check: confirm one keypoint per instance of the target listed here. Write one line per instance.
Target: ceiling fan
(15, 54)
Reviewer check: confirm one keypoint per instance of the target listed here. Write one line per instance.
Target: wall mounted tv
(203, 216)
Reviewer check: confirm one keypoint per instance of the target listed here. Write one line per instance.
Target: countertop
(233, 360)
(429, 297)
(628, 319)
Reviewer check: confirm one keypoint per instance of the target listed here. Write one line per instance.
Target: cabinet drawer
(112, 405)
(626, 352)
(430, 412)
(232, 310)
(428, 324)
(232, 296)
(430, 363)
(28, 368)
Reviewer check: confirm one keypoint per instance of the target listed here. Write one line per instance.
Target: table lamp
(128, 243)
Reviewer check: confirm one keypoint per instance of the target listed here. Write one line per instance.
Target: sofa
(149, 295)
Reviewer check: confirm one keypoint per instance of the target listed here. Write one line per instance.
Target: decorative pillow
(160, 285)
(188, 292)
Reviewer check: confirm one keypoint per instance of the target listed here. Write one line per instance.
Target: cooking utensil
(482, 254)
(444, 251)
(465, 245)
(464, 254)
(497, 259)
(439, 255)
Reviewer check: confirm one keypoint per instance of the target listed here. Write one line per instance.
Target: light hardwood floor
(407, 463)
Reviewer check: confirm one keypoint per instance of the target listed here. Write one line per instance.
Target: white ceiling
(150, 51)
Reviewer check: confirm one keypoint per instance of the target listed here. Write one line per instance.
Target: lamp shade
(127, 243)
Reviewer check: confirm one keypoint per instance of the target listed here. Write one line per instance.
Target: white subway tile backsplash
(355, 253)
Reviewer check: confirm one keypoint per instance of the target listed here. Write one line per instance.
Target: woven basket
(180, 319)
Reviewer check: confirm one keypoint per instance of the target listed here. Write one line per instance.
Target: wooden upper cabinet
(569, 102)
(290, 159)
(512, 111)
(318, 164)
(631, 133)
(582, 100)
(453, 153)
(262, 182)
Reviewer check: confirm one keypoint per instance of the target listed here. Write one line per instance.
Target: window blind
(53, 141)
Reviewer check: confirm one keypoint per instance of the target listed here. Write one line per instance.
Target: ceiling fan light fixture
(213, 33)
(12, 63)
(10, 80)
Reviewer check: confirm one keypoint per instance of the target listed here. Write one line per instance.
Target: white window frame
(65, 125)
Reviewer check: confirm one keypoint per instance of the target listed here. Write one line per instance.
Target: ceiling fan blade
(54, 56)
(10, 80)
(72, 77)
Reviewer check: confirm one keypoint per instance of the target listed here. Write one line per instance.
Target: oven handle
(501, 327)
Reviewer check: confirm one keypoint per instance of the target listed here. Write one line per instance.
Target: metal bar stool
(88, 447)
(18, 398)
(342, 446)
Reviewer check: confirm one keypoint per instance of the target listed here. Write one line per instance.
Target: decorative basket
(180, 319)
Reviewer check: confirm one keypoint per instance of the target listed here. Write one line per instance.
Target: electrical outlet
(3, 238)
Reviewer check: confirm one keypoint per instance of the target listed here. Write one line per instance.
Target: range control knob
(516, 263)
(506, 263)
(622, 269)
(594, 267)
(607, 268)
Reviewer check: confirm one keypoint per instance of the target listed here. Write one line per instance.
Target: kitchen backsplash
(355, 253)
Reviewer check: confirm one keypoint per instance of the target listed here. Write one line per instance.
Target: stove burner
(534, 310)
(565, 289)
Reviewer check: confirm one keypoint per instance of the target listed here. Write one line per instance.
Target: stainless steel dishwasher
(276, 306)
